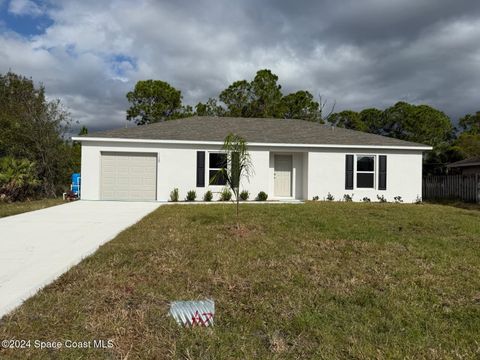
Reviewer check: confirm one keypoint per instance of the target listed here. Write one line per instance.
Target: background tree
(418, 123)
(18, 100)
(262, 97)
(185, 111)
(324, 114)
(238, 98)
(83, 131)
(348, 119)
(34, 129)
(76, 153)
(267, 95)
(470, 123)
(422, 124)
(373, 120)
(467, 143)
(299, 105)
(153, 101)
(210, 108)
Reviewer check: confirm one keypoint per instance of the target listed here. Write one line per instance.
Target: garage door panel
(108, 184)
(128, 176)
(137, 181)
(108, 194)
(122, 194)
(136, 195)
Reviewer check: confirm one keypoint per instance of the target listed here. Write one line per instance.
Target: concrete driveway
(39, 246)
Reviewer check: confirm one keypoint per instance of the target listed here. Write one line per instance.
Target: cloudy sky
(358, 53)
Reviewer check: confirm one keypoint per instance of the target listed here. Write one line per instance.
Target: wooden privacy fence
(452, 187)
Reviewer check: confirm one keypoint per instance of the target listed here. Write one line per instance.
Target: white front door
(283, 176)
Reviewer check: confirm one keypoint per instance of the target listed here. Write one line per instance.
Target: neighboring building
(292, 159)
(467, 166)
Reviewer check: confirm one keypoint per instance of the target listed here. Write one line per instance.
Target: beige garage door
(128, 176)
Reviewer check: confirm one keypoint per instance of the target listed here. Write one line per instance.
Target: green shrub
(244, 195)
(398, 199)
(208, 196)
(191, 195)
(174, 195)
(330, 197)
(348, 198)
(366, 199)
(315, 198)
(381, 199)
(262, 196)
(225, 195)
(18, 179)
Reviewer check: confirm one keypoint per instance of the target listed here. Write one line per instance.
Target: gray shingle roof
(474, 161)
(254, 130)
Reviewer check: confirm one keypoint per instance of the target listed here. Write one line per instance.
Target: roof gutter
(193, 142)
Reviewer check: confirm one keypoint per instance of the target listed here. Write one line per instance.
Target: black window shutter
(348, 172)
(382, 172)
(200, 168)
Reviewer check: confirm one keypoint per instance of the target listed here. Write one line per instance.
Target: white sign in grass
(193, 313)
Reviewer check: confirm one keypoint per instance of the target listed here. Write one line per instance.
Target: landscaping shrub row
(348, 198)
(225, 195)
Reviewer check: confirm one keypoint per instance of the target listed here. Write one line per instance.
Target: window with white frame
(216, 162)
(365, 171)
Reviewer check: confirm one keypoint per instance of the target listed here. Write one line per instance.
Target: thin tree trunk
(238, 203)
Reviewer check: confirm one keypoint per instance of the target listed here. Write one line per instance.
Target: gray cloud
(357, 53)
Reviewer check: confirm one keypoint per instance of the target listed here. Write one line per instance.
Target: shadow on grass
(457, 204)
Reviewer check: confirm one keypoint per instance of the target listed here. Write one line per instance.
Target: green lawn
(461, 205)
(7, 209)
(320, 280)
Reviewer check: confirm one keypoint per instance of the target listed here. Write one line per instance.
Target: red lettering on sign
(198, 320)
(207, 316)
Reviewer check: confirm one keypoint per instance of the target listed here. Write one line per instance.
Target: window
(365, 171)
(217, 161)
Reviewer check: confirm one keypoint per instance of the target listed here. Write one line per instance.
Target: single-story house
(467, 166)
(292, 159)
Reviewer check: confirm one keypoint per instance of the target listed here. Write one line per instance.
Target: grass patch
(8, 209)
(459, 204)
(320, 280)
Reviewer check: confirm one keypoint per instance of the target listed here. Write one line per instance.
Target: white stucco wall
(177, 166)
(327, 174)
(316, 171)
